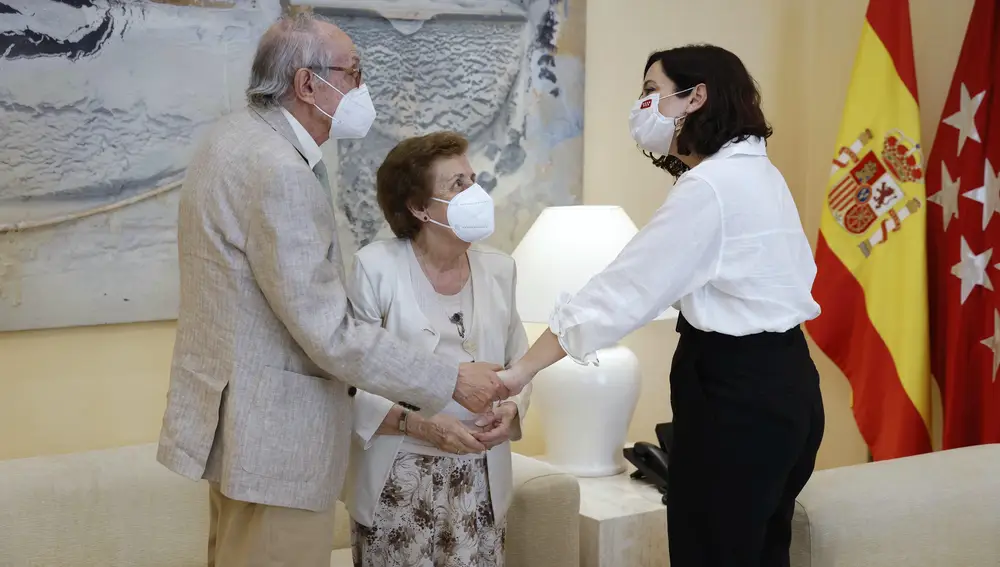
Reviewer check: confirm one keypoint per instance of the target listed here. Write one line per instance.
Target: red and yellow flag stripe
(872, 276)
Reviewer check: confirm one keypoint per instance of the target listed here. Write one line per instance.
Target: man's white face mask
(354, 115)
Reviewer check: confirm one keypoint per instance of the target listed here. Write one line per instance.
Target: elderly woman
(434, 491)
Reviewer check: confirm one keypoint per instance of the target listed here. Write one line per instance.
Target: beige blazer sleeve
(517, 346)
(291, 248)
(369, 409)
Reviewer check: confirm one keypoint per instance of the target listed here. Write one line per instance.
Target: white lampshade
(563, 249)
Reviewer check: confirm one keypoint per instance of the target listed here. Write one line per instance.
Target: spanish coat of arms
(869, 190)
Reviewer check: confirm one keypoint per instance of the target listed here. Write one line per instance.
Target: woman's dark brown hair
(732, 110)
(404, 178)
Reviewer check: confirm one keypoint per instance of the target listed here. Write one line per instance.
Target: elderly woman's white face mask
(470, 214)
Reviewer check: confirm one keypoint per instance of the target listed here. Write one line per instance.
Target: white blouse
(441, 311)
(727, 243)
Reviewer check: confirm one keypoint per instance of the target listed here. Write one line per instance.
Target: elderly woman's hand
(497, 425)
(446, 433)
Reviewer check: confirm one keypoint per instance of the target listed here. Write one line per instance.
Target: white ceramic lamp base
(586, 411)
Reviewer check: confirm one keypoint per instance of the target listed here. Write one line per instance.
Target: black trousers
(748, 421)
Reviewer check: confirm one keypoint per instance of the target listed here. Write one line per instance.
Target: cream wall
(76, 389)
(68, 390)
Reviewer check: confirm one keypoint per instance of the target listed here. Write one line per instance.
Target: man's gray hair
(292, 43)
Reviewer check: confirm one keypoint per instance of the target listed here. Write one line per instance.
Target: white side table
(623, 523)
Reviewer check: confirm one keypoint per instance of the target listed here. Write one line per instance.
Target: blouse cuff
(559, 322)
(369, 416)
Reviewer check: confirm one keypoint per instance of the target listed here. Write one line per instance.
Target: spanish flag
(870, 255)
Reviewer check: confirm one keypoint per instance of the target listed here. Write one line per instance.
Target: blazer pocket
(290, 432)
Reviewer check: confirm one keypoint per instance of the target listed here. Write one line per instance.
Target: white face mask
(653, 131)
(354, 115)
(470, 214)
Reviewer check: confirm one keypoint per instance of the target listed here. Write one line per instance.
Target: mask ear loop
(684, 91)
(427, 217)
(328, 83)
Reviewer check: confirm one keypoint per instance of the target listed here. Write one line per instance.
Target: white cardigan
(381, 292)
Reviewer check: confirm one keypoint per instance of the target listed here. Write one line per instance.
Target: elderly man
(259, 401)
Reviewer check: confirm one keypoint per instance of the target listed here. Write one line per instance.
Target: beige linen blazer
(267, 343)
(381, 292)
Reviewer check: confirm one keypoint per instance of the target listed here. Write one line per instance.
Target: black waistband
(763, 339)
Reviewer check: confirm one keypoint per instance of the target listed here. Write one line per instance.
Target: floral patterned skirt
(433, 512)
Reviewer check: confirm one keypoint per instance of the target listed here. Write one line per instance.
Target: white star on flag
(947, 197)
(965, 118)
(971, 269)
(988, 194)
(993, 343)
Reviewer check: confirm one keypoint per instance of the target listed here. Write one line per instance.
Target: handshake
(481, 384)
(479, 387)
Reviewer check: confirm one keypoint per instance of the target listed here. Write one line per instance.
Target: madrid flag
(870, 255)
(963, 239)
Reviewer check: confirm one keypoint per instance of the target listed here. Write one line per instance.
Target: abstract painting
(103, 101)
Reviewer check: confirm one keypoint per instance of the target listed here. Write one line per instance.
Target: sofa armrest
(109, 508)
(925, 511)
(543, 523)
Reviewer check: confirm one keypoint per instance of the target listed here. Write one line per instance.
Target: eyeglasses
(353, 72)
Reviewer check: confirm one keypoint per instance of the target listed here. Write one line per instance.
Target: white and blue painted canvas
(103, 101)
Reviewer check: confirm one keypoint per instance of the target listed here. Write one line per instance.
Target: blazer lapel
(477, 344)
(410, 275)
(276, 120)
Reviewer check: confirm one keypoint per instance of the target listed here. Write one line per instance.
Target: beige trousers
(244, 534)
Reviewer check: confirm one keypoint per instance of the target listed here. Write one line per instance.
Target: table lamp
(585, 409)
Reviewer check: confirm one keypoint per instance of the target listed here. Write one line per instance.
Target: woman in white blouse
(728, 245)
(434, 491)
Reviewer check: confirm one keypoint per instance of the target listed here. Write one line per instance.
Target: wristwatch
(402, 421)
